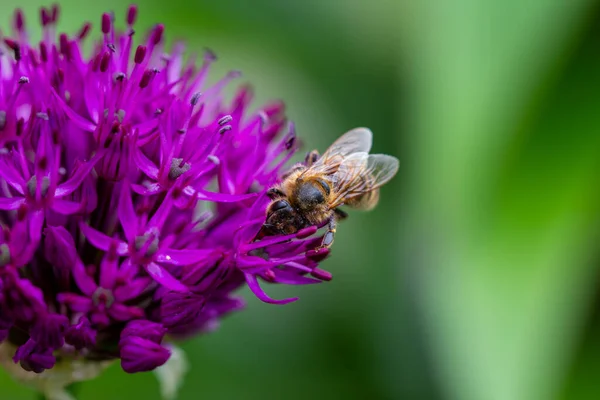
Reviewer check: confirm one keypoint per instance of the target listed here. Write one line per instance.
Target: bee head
(281, 218)
(312, 193)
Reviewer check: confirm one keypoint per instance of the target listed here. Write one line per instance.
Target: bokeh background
(477, 276)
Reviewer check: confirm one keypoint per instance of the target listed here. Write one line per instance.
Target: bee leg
(311, 157)
(329, 235)
(275, 193)
(340, 215)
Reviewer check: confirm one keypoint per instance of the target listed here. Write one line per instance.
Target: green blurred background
(477, 276)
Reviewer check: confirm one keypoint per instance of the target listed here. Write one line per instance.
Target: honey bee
(311, 192)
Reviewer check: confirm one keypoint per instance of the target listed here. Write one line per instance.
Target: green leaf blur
(476, 278)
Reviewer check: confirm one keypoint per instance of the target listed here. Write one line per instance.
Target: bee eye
(278, 205)
(324, 185)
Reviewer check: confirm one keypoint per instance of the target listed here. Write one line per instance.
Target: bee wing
(361, 173)
(358, 140)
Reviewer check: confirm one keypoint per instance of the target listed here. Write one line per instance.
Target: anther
(23, 80)
(157, 34)
(209, 55)
(15, 47)
(43, 52)
(145, 81)
(54, 13)
(45, 17)
(63, 44)
(85, 30)
(131, 15)
(19, 20)
(104, 62)
(106, 23)
(195, 98)
(140, 53)
(225, 129)
(224, 120)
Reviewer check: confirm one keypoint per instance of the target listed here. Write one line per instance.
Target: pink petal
(122, 312)
(12, 177)
(75, 118)
(132, 290)
(66, 207)
(36, 221)
(147, 190)
(183, 257)
(145, 164)
(76, 302)
(85, 283)
(11, 203)
(101, 241)
(82, 171)
(164, 278)
(258, 292)
(127, 215)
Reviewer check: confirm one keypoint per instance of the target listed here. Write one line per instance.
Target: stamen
(157, 34)
(140, 53)
(195, 99)
(85, 30)
(19, 21)
(131, 15)
(224, 120)
(15, 47)
(106, 23)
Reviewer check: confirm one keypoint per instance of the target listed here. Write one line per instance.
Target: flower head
(131, 196)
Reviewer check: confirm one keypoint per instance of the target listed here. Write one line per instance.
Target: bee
(311, 192)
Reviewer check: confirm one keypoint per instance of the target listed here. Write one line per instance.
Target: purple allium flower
(131, 197)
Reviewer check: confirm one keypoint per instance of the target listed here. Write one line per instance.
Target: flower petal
(183, 257)
(160, 275)
(81, 172)
(66, 207)
(127, 215)
(11, 203)
(258, 292)
(101, 241)
(75, 118)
